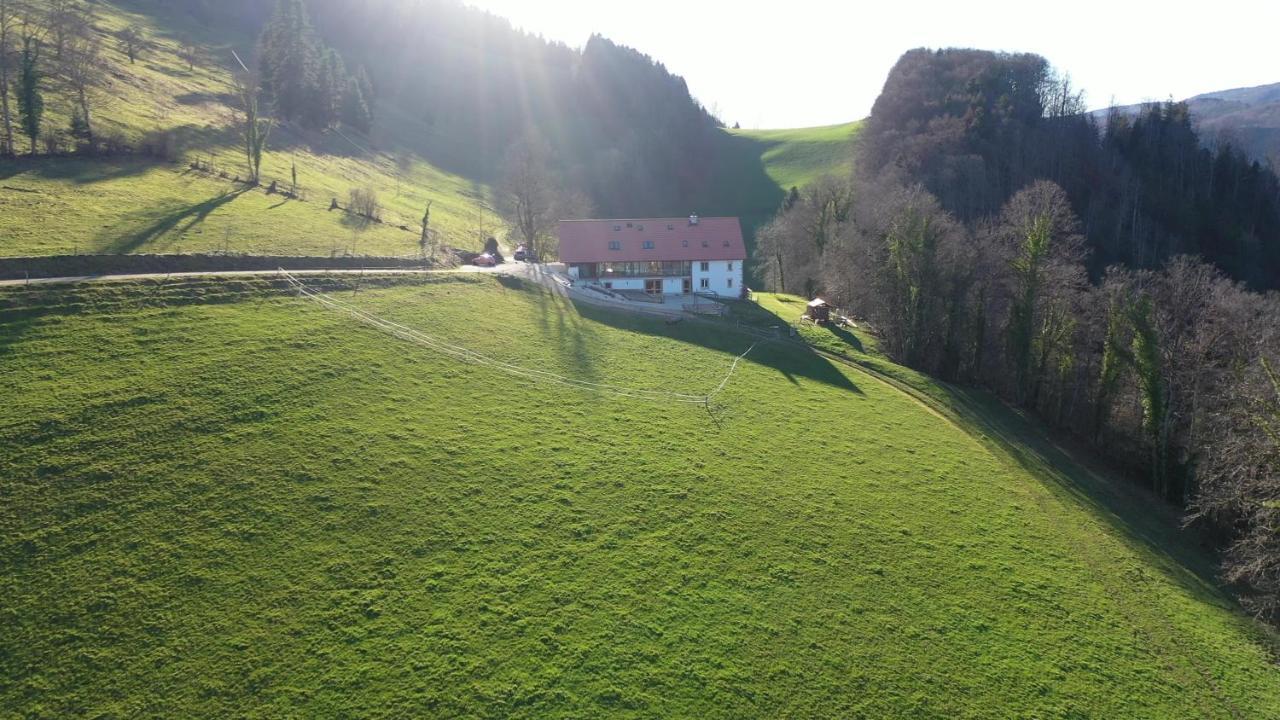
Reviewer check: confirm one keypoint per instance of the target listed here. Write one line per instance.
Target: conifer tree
(355, 109)
(30, 99)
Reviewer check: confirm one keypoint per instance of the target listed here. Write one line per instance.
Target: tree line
(1128, 322)
(54, 50)
(621, 127)
(305, 80)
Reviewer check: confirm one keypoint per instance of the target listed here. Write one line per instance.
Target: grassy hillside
(259, 508)
(53, 206)
(797, 157)
(65, 206)
(755, 169)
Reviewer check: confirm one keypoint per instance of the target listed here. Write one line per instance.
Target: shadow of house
(792, 360)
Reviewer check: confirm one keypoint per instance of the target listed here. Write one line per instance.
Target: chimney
(693, 219)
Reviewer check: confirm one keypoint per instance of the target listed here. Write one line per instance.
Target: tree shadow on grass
(178, 220)
(79, 170)
(846, 337)
(561, 326)
(1142, 523)
(1146, 523)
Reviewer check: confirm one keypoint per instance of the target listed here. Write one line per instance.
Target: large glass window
(674, 268)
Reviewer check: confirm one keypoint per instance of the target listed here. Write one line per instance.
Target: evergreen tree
(80, 129)
(368, 92)
(355, 110)
(333, 83)
(290, 63)
(30, 100)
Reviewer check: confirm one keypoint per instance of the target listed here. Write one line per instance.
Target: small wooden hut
(819, 311)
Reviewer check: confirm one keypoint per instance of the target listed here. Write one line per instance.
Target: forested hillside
(414, 104)
(461, 86)
(1248, 118)
(1105, 277)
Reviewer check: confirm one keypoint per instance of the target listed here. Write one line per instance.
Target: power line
(467, 355)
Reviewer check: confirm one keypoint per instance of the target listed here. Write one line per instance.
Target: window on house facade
(730, 267)
(608, 286)
(705, 283)
(730, 282)
(615, 244)
(705, 267)
(648, 245)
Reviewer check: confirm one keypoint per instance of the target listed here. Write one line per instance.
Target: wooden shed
(819, 311)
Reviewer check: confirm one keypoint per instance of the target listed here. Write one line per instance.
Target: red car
(485, 260)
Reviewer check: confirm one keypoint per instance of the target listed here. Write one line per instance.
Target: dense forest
(620, 127)
(1100, 277)
(974, 128)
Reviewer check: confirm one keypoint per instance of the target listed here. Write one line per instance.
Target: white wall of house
(723, 277)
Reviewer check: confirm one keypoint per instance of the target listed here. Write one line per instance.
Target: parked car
(522, 254)
(485, 260)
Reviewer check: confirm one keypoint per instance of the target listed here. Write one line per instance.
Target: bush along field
(223, 499)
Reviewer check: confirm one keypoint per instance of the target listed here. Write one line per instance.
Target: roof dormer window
(615, 244)
(647, 245)
(617, 228)
(706, 244)
(684, 243)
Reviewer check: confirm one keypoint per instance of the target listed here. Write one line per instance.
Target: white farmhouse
(658, 256)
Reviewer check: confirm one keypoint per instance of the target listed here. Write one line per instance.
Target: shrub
(364, 202)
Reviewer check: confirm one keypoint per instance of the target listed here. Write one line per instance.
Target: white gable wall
(723, 277)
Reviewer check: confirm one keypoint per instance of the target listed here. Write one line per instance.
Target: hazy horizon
(768, 69)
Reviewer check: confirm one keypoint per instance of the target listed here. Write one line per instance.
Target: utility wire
(470, 356)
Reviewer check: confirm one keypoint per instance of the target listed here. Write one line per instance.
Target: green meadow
(136, 205)
(218, 499)
(796, 157)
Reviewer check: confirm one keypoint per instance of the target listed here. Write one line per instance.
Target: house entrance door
(653, 287)
(688, 286)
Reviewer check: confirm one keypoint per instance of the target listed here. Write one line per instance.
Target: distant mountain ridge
(1248, 117)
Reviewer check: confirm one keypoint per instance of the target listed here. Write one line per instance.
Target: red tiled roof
(714, 238)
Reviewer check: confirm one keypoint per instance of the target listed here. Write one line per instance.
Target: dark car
(522, 254)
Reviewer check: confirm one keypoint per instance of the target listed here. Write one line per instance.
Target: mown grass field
(68, 206)
(256, 508)
(51, 206)
(796, 157)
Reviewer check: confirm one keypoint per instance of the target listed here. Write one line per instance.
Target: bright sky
(797, 63)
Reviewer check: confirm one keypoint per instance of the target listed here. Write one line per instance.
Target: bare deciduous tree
(82, 69)
(8, 29)
(255, 129)
(364, 203)
(189, 53)
(531, 199)
(132, 42)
